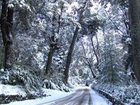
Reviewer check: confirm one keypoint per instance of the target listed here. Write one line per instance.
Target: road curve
(80, 97)
(83, 96)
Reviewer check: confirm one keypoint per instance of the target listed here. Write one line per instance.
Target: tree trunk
(53, 42)
(87, 62)
(49, 61)
(95, 52)
(69, 56)
(6, 29)
(134, 12)
(71, 48)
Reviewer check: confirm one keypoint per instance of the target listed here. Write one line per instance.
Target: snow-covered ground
(97, 99)
(11, 90)
(53, 96)
(16, 90)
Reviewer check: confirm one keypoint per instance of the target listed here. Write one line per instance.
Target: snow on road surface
(81, 96)
(51, 95)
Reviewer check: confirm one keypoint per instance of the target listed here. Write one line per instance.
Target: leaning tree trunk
(96, 53)
(134, 12)
(69, 56)
(71, 48)
(88, 63)
(6, 29)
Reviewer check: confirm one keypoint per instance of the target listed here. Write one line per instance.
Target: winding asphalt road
(80, 97)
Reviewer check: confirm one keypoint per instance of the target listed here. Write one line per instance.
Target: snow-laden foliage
(111, 66)
(28, 79)
(43, 31)
(56, 84)
(115, 2)
(128, 94)
(111, 69)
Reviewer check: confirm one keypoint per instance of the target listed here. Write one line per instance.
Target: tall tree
(53, 47)
(134, 12)
(71, 48)
(6, 29)
(53, 40)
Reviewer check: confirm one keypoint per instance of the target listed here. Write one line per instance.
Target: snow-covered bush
(126, 94)
(50, 84)
(112, 70)
(29, 80)
(56, 82)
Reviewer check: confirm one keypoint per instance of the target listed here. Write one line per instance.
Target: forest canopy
(59, 44)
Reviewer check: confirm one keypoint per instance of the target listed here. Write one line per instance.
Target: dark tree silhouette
(6, 29)
(134, 12)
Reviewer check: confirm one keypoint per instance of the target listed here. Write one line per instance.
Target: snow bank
(11, 90)
(81, 87)
(97, 99)
(51, 95)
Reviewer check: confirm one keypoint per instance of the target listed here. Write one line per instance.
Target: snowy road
(83, 96)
